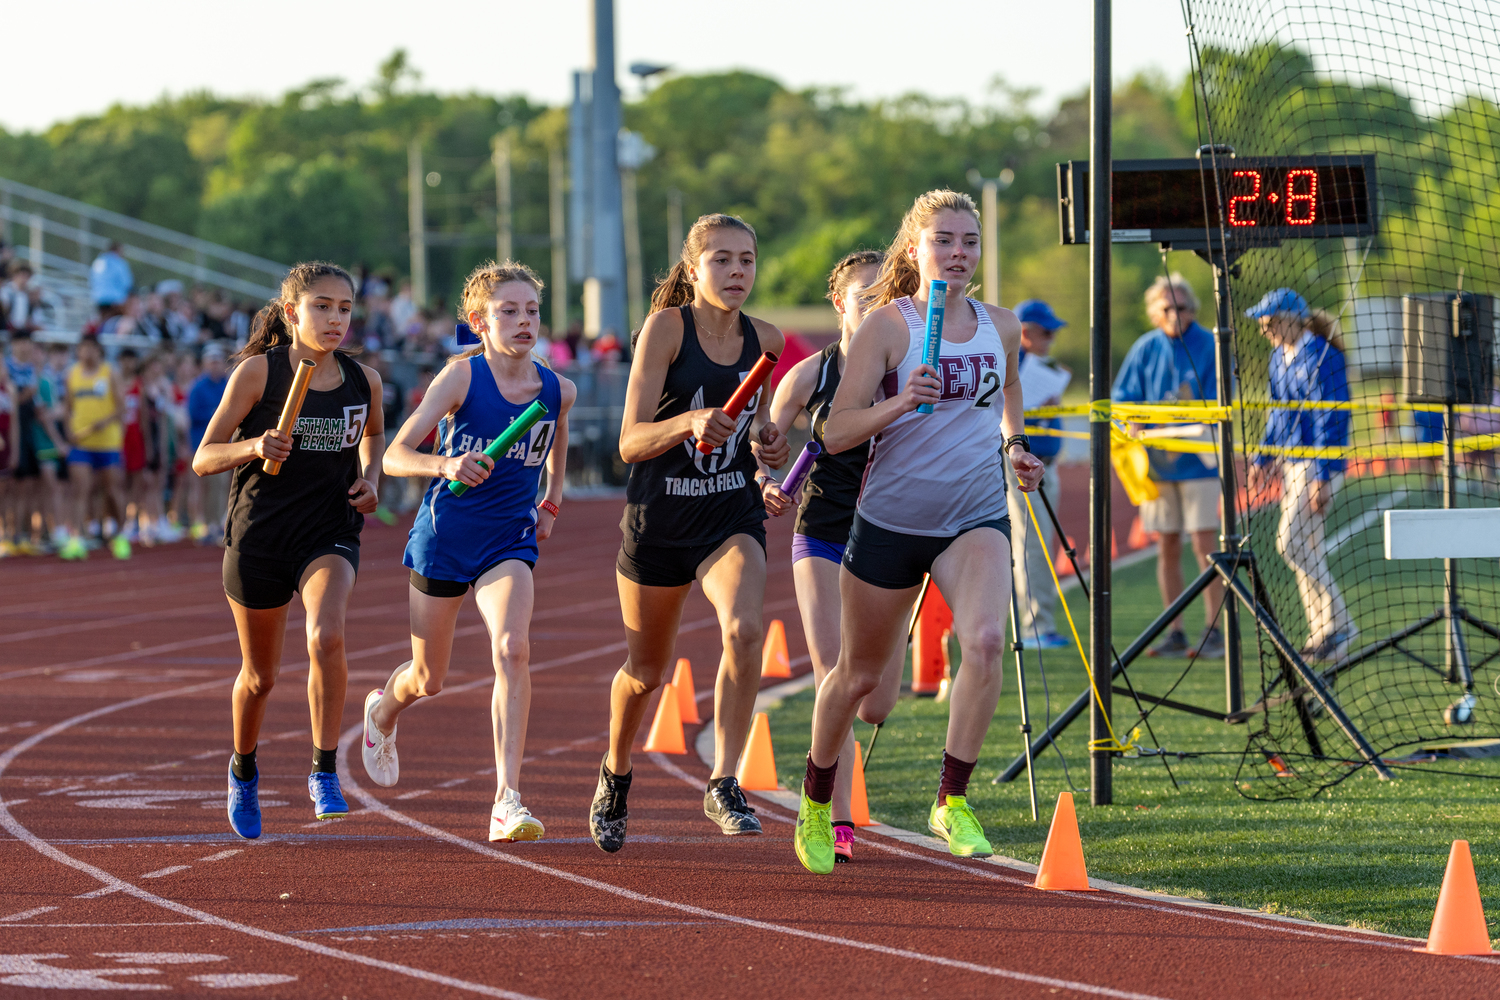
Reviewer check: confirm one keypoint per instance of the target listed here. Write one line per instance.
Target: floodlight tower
(601, 251)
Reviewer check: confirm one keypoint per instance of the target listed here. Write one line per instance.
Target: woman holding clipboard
(304, 477)
(693, 509)
(932, 501)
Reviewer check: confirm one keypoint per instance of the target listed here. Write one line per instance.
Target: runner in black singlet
(691, 516)
(297, 531)
(827, 512)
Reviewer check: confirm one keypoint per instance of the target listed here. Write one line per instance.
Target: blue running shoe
(328, 800)
(244, 805)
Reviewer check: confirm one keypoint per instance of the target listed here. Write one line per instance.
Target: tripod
(1226, 565)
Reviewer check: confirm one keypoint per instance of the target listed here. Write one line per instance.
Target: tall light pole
(556, 194)
(503, 237)
(989, 212)
(674, 225)
(416, 222)
(634, 153)
(604, 291)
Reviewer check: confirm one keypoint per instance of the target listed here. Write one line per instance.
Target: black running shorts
(673, 566)
(455, 588)
(261, 582)
(892, 560)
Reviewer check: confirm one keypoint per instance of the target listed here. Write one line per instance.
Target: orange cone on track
(757, 770)
(1458, 926)
(1139, 538)
(774, 661)
(859, 805)
(687, 698)
(666, 728)
(929, 643)
(1062, 859)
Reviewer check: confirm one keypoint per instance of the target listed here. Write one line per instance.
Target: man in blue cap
(1174, 363)
(1033, 581)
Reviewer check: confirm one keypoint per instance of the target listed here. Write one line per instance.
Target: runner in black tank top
(297, 531)
(692, 516)
(827, 510)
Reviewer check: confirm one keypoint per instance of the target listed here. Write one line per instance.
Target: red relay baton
(747, 389)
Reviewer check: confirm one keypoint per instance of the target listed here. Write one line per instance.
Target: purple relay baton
(800, 468)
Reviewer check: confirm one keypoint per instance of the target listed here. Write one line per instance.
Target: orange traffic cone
(859, 806)
(1458, 926)
(774, 661)
(666, 728)
(1062, 859)
(1139, 538)
(1061, 561)
(757, 770)
(929, 643)
(687, 698)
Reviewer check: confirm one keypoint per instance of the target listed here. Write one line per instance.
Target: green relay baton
(502, 444)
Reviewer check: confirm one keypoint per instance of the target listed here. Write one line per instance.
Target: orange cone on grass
(929, 643)
(687, 698)
(757, 770)
(774, 660)
(859, 805)
(1139, 537)
(1458, 926)
(1062, 859)
(666, 728)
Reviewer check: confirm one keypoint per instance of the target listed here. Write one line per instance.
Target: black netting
(1415, 84)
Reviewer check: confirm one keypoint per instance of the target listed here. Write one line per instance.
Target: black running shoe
(608, 813)
(725, 804)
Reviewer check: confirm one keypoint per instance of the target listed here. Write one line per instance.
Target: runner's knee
(512, 652)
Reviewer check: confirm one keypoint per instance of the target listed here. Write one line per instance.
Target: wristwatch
(761, 479)
(1012, 441)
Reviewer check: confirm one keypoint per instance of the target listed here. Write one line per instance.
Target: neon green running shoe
(814, 837)
(957, 824)
(120, 546)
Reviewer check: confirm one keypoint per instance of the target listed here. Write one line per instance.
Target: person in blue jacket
(1307, 365)
(1174, 363)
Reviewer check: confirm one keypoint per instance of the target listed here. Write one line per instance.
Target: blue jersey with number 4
(461, 538)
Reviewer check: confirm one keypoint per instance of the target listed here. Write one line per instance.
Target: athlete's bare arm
(217, 453)
(790, 399)
(446, 394)
(1028, 467)
(767, 441)
(364, 494)
(876, 347)
(557, 461)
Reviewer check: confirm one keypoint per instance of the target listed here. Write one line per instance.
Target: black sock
(843, 822)
(327, 761)
(955, 777)
(716, 782)
(819, 781)
(622, 780)
(243, 765)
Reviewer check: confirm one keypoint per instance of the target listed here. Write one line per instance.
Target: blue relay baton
(937, 304)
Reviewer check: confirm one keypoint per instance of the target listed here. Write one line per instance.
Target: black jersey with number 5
(683, 497)
(307, 505)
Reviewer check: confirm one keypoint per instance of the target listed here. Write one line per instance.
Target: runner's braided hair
(269, 328)
(843, 272)
(898, 272)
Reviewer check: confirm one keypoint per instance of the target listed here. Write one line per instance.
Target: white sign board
(1469, 533)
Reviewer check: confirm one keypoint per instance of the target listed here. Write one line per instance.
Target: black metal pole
(1229, 537)
(1016, 646)
(1101, 785)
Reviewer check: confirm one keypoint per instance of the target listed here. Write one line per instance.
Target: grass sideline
(1368, 854)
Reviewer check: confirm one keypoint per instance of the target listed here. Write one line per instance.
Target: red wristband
(549, 507)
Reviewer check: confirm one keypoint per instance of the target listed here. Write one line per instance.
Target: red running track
(118, 871)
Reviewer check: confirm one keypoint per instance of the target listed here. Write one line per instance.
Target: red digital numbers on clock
(1299, 200)
(1235, 219)
(1306, 200)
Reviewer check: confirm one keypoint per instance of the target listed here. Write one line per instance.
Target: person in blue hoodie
(1307, 365)
(1175, 363)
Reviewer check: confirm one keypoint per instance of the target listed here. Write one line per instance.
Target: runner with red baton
(746, 392)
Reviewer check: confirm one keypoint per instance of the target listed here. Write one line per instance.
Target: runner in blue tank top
(485, 539)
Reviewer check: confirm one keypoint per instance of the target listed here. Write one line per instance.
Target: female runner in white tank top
(932, 501)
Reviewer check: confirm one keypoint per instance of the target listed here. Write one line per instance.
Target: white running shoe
(377, 751)
(510, 820)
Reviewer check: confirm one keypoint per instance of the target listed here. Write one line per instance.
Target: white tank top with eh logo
(941, 473)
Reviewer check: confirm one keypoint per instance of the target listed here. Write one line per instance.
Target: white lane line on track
(27, 914)
(223, 854)
(99, 623)
(114, 884)
(164, 872)
(96, 893)
(373, 804)
(155, 923)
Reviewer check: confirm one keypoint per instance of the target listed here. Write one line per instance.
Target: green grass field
(1367, 853)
